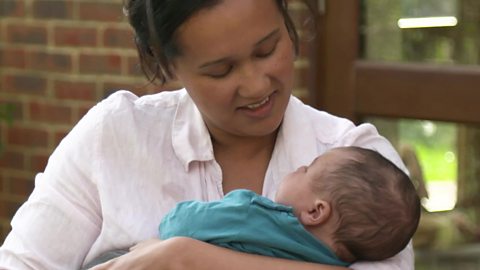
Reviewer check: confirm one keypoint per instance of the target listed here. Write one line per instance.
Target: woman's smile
(260, 109)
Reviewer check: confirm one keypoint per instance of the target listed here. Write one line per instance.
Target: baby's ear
(318, 213)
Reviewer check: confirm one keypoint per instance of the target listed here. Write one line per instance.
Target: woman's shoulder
(125, 115)
(331, 130)
(124, 99)
(125, 108)
(327, 127)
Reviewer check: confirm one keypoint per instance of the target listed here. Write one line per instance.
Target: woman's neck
(243, 160)
(246, 146)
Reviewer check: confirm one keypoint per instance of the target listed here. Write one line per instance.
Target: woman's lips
(259, 104)
(260, 109)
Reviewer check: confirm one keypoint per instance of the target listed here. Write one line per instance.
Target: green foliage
(439, 164)
(6, 116)
(435, 143)
(6, 113)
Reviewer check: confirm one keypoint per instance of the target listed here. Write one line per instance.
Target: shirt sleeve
(366, 136)
(57, 225)
(401, 261)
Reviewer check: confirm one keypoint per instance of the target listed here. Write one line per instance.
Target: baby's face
(297, 190)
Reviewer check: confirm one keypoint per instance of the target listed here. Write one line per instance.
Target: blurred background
(411, 67)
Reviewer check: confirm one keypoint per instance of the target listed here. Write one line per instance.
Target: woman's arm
(182, 253)
(56, 227)
(402, 261)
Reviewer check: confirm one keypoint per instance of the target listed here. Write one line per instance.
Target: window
(420, 85)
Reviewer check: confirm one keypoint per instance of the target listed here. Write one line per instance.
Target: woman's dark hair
(155, 23)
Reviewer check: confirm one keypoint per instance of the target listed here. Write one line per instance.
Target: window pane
(432, 31)
(444, 162)
(434, 146)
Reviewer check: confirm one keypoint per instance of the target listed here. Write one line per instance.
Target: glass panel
(444, 162)
(432, 31)
(433, 147)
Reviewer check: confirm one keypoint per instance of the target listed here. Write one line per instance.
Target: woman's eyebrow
(211, 63)
(271, 34)
(267, 37)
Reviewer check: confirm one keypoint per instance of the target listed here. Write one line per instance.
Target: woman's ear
(318, 213)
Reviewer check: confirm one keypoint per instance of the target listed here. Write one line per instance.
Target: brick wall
(57, 59)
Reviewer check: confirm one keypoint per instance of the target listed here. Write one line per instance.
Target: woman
(130, 160)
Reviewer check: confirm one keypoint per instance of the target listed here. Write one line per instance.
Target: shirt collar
(190, 137)
(296, 142)
(299, 135)
(296, 145)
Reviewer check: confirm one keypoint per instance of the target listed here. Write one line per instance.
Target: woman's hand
(181, 253)
(150, 254)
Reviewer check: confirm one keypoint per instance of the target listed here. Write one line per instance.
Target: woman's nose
(254, 82)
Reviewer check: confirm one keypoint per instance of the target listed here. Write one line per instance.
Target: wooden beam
(434, 92)
(337, 44)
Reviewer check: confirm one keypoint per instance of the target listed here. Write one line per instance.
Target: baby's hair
(376, 204)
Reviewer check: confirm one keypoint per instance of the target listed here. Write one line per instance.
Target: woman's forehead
(228, 28)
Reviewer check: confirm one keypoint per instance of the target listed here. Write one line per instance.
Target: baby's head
(356, 201)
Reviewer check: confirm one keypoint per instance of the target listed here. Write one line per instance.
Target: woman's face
(236, 63)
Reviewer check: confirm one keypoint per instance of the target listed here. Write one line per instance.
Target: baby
(349, 204)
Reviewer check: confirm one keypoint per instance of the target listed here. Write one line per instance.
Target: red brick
(71, 90)
(111, 87)
(38, 162)
(20, 186)
(105, 12)
(48, 113)
(27, 137)
(4, 228)
(13, 58)
(52, 9)
(2, 183)
(134, 67)
(24, 84)
(138, 89)
(12, 108)
(100, 64)
(8, 208)
(26, 34)
(118, 38)
(47, 61)
(8, 112)
(75, 36)
(12, 160)
(82, 110)
(13, 8)
(59, 135)
(3, 208)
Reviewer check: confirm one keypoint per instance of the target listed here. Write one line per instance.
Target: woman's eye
(220, 73)
(266, 51)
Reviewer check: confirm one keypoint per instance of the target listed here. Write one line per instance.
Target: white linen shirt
(130, 160)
